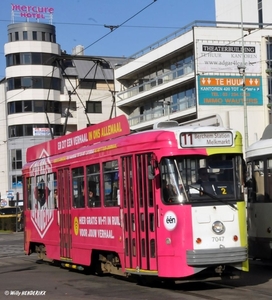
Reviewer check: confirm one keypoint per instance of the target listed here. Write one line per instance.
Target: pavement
(11, 244)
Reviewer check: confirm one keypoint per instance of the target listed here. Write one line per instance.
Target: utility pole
(242, 71)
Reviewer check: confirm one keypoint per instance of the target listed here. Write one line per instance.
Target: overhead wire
(118, 26)
(92, 45)
(122, 24)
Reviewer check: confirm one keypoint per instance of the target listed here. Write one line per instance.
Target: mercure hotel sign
(30, 11)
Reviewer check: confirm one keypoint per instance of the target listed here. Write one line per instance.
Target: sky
(82, 22)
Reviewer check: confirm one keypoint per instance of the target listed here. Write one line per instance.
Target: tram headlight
(218, 227)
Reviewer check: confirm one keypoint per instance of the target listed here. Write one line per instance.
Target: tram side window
(269, 180)
(127, 171)
(41, 193)
(30, 192)
(93, 181)
(250, 184)
(258, 178)
(145, 174)
(56, 198)
(78, 187)
(169, 181)
(51, 184)
(111, 183)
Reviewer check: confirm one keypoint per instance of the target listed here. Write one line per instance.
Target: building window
(87, 84)
(16, 159)
(34, 106)
(9, 60)
(18, 106)
(26, 82)
(34, 82)
(25, 58)
(16, 36)
(30, 58)
(17, 59)
(17, 84)
(269, 53)
(34, 35)
(10, 37)
(38, 83)
(38, 106)
(20, 130)
(36, 59)
(25, 35)
(94, 107)
(43, 36)
(260, 13)
(16, 181)
(11, 108)
(27, 106)
(27, 130)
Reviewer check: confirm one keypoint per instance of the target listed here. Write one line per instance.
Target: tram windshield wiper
(212, 196)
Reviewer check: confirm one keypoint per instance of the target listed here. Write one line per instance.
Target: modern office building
(199, 72)
(47, 93)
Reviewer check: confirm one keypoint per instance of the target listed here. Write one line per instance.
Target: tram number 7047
(217, 239)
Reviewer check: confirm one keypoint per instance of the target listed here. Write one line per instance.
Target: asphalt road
(24, 276)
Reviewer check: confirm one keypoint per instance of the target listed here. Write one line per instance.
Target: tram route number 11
(186, 139)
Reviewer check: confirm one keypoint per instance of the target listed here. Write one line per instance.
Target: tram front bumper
(205, 257)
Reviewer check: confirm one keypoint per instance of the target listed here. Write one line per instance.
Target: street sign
(3, 203)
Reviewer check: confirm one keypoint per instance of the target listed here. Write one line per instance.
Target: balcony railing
(156, 113)
(163, 79)
(185, 29)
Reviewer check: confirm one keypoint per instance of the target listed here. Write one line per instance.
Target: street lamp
(242, 71)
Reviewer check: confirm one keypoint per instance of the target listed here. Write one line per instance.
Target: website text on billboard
(220, 58)
(29, 11)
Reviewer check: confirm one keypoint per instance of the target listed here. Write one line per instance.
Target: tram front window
(172, 183)
(198, 178)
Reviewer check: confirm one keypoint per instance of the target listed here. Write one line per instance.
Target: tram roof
(108, 130)
(263, 146)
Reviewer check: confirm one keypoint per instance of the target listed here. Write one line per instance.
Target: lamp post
(242, 71)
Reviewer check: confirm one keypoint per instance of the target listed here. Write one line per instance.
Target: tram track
(207, 289)
(210, 290)
(196, 290)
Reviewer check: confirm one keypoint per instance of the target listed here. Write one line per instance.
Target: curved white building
(33, 87)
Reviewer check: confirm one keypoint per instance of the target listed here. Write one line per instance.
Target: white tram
(259, 186)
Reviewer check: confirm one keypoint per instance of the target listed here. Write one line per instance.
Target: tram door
(139, 214)
(64, 212)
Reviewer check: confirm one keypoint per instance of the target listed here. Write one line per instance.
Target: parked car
(10, 211)
(8, 217)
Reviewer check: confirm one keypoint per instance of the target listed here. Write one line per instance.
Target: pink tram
(127, 203)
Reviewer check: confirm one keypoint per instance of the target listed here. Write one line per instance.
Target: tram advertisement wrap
(90, 226)
(103, 131)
